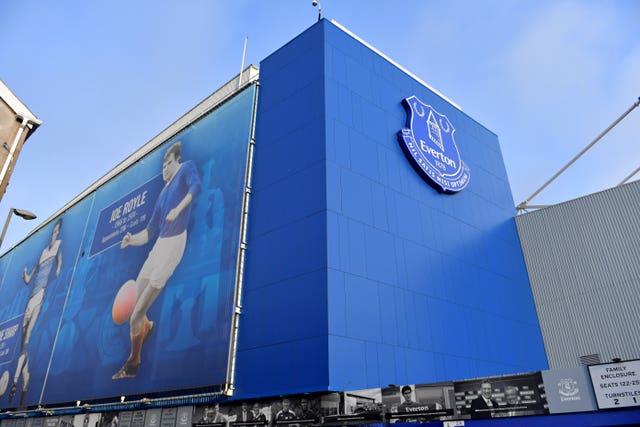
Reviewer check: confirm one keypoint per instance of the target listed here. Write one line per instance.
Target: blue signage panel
(129, 214)
(140, 279)
(429, 145)
(10, 332)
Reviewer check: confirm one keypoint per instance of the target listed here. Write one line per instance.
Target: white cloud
(562, 51)
(571, 71)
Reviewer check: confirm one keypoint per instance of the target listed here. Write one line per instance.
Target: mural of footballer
(42, 274)
(169, 222)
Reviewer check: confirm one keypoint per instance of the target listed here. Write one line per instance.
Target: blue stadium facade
(360, 274)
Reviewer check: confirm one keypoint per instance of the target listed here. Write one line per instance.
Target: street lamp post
(15, 211)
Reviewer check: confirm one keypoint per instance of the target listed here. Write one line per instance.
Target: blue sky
(105, 77)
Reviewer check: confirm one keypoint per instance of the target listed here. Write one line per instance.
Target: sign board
(616, 385)
(568, 390)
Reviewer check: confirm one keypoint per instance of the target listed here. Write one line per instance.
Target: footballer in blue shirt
(169, 223)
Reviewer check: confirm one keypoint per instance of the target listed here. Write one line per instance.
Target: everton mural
(131, 290)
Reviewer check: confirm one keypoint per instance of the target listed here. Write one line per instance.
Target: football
(124, 302)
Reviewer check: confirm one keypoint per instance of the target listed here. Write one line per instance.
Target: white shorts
(31, 313)
(163, 259)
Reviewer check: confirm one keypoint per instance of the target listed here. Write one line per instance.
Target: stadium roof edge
(248, 76)
(403, 69)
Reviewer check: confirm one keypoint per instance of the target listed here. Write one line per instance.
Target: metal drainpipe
(14, 146)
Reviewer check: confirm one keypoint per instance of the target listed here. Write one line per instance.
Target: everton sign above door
(430, 147)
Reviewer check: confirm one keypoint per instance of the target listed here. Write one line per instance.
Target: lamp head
(23, 213)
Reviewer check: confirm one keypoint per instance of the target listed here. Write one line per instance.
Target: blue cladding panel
(337, 312)
(446, 271)
(289, 367)
(379, 249)
(359, 274)
(364, 318)
(350, 369)
(282, 324)
(282, 345)
(358, 208)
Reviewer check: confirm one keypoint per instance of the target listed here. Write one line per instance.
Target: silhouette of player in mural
(42, 274)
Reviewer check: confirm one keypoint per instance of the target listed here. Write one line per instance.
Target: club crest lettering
(428, 143)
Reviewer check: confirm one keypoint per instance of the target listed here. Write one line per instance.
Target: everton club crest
(429, 145)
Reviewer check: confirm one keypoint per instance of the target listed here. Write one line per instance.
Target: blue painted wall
(422, 286)
(359, 274)
(283, 343)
